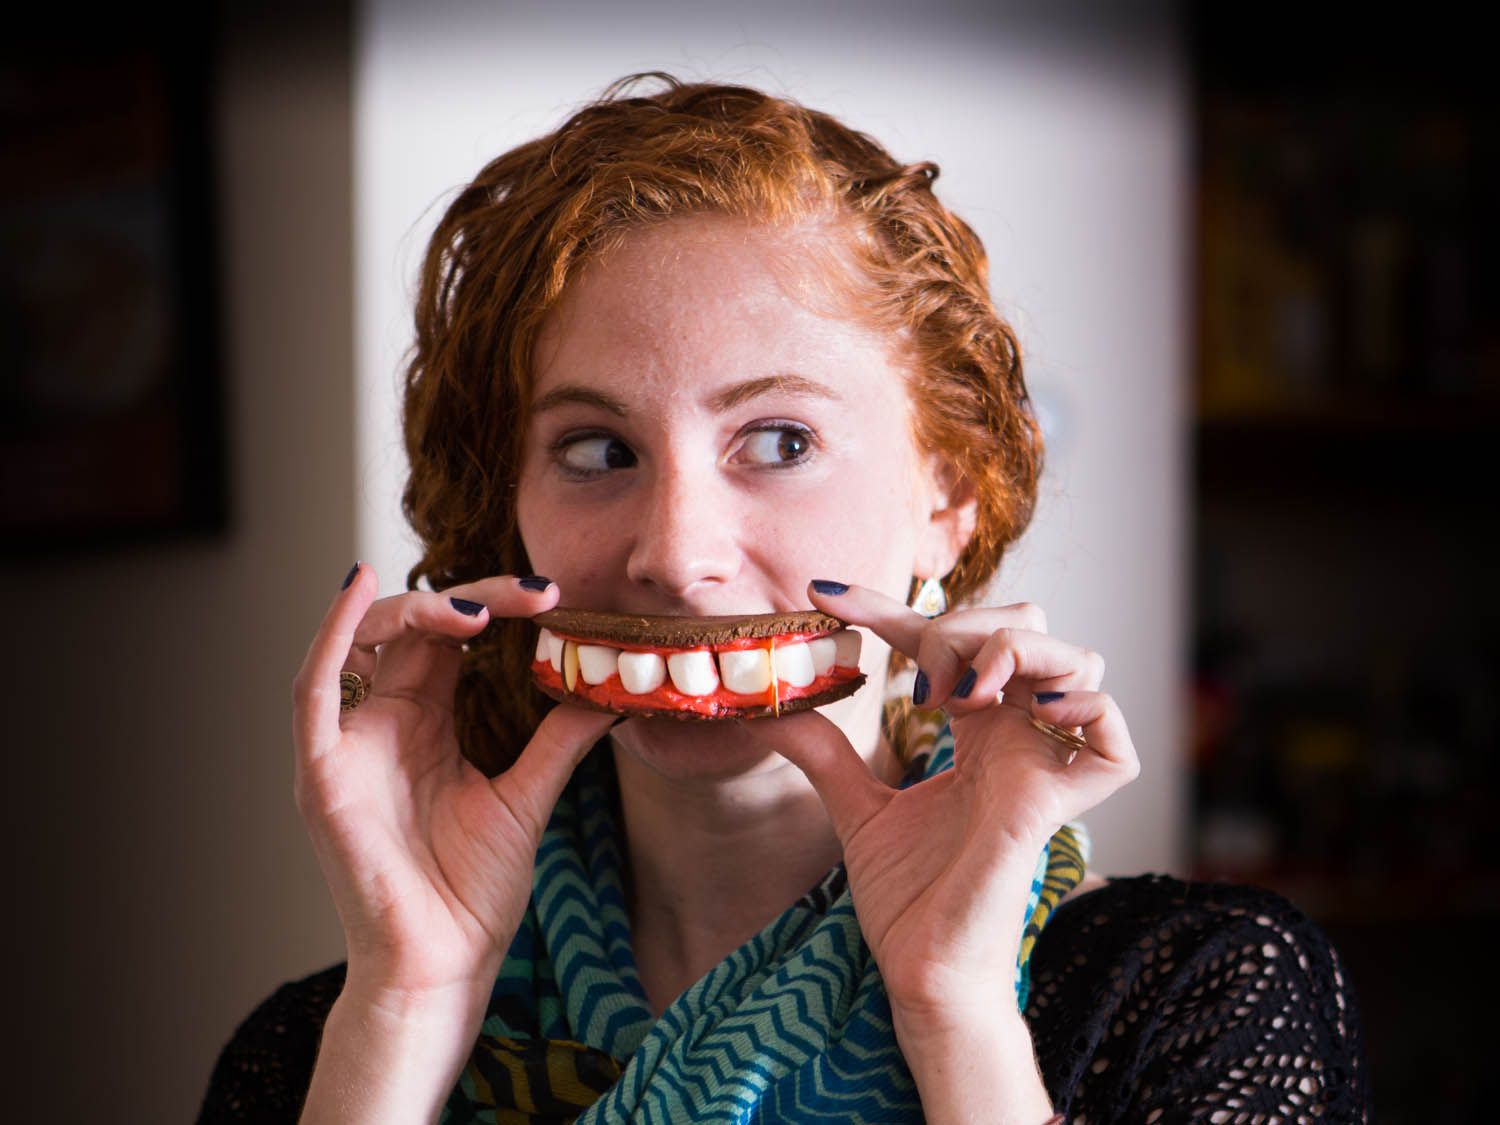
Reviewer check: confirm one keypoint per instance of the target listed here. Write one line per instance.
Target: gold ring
(352, 690)
(1062, 734)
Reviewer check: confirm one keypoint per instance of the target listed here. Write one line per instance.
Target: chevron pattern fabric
(794, 1026)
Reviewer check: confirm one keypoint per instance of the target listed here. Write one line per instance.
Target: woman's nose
(684, 536)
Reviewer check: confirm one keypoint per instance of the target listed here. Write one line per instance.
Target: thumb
(817, 746)
(560, 741)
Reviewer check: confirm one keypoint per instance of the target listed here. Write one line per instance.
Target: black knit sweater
(1152, 1001)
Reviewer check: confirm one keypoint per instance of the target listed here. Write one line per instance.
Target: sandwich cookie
(730, 667)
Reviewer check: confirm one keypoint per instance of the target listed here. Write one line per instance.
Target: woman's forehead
(781, 259)
(709, 292)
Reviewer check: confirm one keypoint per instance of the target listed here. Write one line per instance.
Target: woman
(708, 352)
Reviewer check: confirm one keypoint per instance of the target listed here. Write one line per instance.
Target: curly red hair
(506, 246)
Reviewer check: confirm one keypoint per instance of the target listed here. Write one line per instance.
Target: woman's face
(703, 442)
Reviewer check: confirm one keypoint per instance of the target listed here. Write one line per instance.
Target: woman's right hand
(429, 862)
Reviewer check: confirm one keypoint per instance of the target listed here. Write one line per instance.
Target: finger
(896, 623)
(393, 618)
(362, 661)
(1007, 659)
(534, 783)
(315, 688)
(1088, 677)
(421, 633)
(1103, 725)
(817, 746)
(423, 662)
(906, 630)
(952, 644)
(1028, 615)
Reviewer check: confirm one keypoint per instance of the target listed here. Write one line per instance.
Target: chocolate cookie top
(682, 632)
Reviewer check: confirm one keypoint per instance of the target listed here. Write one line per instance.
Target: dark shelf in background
(1347, 389)
(1361, 449)
(1284, 50)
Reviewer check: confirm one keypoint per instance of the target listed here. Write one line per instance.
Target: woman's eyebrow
(786, 384)
(585, 395)
(726, 399)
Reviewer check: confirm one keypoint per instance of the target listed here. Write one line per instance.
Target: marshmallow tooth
(824, 651)
(641, 672)
(693, 671)
(555, 651)
(746, 671)
(794, 664)
(846, 648)
(597, 663)
(544, 645)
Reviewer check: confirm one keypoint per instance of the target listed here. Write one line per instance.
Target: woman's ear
(953, 513)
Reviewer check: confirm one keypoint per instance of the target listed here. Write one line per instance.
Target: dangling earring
(917, 729)
(930, 600)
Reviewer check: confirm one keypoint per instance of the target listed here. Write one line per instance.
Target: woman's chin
(699, 751)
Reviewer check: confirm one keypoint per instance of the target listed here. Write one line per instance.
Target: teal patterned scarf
(793, 1026)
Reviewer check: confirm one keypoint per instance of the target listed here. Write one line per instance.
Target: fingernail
(1049, 696)
(466, 607)
(348, 578)
(824, 586)
(966, 684)
(535, 582)
(920, 688)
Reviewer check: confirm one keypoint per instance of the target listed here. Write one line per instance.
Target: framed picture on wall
(111, 385)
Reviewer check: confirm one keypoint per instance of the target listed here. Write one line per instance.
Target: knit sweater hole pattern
(1183, 1002)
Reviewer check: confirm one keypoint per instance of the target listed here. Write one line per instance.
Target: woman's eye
(590, 456)
(595, 455)
(778, 445)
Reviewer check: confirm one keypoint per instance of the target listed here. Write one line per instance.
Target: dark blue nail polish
(920, 688)
(1049, 696)
(466, 607)
(966, 684)
(824, 586)
(348, 578)
(534, 582)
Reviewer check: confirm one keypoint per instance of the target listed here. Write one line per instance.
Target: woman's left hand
(940, 872)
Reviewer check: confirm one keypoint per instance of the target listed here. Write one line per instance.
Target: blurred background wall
(1251, 263)
(160, 879)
